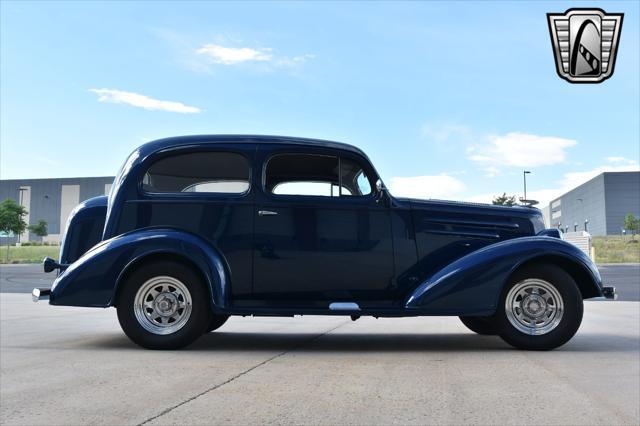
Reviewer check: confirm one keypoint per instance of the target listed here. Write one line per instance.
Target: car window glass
(309, 188)
(202, 172)
(363, 184)
(353, 178)
(225, 186)
(302, 174)
(315, 175)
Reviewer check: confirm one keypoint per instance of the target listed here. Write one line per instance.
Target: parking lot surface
(65, 365)
(624, 277)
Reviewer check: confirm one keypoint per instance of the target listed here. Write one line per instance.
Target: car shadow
(221, 341)
(348, 342)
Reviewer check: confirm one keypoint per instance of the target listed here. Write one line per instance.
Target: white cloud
(484, 198)
(573, 179)
(616, 159)
(296, 60)
(521, 150)
(543, 196)
(141, 101)
(232, 55)
(442, 186)
(218, 54)
(491, 171)
(620, 160)
(303, 58)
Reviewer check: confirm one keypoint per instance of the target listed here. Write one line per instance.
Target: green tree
(504, 200)
(40, 228)
(632, 223)
(11, 219)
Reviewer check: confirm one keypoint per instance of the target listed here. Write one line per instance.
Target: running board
(344, 306)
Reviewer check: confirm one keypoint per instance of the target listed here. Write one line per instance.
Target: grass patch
(617, 249)
(28, 254)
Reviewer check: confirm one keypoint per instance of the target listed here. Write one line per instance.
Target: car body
(290, 226)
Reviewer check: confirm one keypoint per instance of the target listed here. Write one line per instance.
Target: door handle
(266, 213)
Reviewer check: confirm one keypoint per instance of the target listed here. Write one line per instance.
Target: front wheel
(163, 305)
(540, 309)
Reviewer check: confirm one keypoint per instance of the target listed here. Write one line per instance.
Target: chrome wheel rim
(162, 305)
(534, 306)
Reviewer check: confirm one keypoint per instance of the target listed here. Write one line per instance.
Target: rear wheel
(163, 305)
(481, 325)
(540, 309)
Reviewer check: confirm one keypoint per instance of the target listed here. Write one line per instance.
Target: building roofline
(592, 179)
(57, 178)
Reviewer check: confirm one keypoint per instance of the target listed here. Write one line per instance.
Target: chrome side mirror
(381, 193)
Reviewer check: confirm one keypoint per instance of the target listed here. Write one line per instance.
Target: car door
(205, 191)
(322, 234)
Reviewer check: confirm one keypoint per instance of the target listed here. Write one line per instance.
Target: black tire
(217, 321)
(198, 319)
(485, 326)
(571, 316)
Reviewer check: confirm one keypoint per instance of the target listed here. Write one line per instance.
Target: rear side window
(205, 172)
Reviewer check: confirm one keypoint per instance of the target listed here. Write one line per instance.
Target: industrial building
(51, 200)
(598, 206)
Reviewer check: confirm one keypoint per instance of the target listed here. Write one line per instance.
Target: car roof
(176, 141)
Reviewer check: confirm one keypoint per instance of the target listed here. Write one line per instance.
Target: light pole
(524, 177)
(20, 191)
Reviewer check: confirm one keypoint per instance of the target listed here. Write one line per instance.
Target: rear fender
(84, 228)
(472, 284)
(94, 278)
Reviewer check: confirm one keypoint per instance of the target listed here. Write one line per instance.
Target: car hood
(476, 210)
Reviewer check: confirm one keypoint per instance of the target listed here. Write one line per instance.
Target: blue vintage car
(199, 228)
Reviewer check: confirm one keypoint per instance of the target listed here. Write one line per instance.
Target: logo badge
(585, 43)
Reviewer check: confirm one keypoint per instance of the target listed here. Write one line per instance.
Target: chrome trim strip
(464, 233)
(344, 306)
(479, 223)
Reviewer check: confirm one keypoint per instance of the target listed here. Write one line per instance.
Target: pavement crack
(242, 373)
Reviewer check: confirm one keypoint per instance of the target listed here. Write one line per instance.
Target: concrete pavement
(625, 277)
(74, 366)
(22, 278)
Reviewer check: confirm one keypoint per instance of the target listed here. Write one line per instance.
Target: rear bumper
(610, 293)
(40, 294)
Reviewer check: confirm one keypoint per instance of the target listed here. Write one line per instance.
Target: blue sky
(450, 100)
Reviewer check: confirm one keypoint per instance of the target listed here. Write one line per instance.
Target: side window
(353, 178)
(309, 188)
(302, 174)
(206, 172)
(315, 175)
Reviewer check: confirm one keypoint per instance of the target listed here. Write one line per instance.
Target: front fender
(472, 284)
(92, 279)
